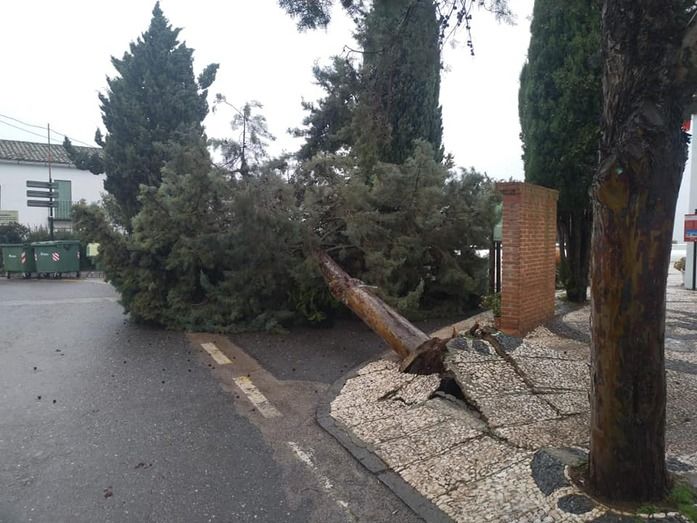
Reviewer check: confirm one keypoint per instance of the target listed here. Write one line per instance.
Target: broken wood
(419, 353)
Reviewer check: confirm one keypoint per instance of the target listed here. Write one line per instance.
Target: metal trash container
(57, 257)
(18, 258)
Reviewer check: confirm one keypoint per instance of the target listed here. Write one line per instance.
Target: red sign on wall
(691, 227)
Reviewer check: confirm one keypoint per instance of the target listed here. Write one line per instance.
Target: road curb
(422, 506)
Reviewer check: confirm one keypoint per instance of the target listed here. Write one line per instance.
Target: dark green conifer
(559, 105)
(153, 101)
(398, 103)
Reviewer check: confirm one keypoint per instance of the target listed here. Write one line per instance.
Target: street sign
(691, 227)
(9, 217)
(41, 185)
(42, 194)
(42, 203)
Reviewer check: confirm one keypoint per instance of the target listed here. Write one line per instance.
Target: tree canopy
(245, 152)
(153, 101)
(398, 102)
(192, 246)
(559, 107)
(327, 126)
(383, 107)
(313, 14)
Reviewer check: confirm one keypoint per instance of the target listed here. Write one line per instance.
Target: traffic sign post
(691, 227)
(48, 197)
(691, 236)
(41, 185)
(42, 203)
(42, 194)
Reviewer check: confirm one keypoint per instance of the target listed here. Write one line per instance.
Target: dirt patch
(320, 354)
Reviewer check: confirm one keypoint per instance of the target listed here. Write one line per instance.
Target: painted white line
(257, 398)
(216, 354)
(306, 458)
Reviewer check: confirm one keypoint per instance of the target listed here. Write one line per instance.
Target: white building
(23, 161)
(691, 207)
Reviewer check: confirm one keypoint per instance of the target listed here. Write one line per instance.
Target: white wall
(691, 206)
(13, 188)
(682, 206)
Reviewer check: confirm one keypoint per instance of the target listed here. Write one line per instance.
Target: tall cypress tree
(154, 101)
(399, 98)
(392, 101)
(559, 105)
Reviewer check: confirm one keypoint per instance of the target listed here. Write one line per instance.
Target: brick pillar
(529, 256)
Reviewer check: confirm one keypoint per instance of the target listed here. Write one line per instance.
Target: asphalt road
(104, 420)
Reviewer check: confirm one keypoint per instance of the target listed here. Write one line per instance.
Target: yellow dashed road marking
(219, 357)
(256, 397)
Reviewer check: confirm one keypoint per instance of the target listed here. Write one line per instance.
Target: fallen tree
(419, 353)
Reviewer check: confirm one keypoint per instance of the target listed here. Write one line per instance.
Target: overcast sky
(56, 56)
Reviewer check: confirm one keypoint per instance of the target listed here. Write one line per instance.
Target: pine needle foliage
(154, 100)
(411, 230)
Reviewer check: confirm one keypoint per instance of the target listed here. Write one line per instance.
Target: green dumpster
(18, 258)
(57, 257)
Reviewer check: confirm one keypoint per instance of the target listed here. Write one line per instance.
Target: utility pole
(50, 181)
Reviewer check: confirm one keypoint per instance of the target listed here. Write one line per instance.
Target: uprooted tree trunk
(420, 354)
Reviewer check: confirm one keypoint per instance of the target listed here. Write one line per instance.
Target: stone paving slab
(515, 409)
(367, 414)
(486, 379)
(555, 374)
(465, 350)
(544, 343)
(410, 420)
(374, 385)
(568, 403)
(418, 390)
(466, 463)
(564, 432)
(680, 438)
(401, 452)
(511, 491)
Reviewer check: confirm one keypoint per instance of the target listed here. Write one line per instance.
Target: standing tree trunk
(648, 79)
(578, 255)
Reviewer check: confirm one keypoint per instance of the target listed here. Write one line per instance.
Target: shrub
(13, 233)
(493, 302)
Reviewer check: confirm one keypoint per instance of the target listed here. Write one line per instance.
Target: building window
(64, 200)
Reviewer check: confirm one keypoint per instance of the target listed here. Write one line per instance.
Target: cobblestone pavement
(500, 451)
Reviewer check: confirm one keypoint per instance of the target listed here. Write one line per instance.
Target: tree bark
(419, 353)
(642, 157)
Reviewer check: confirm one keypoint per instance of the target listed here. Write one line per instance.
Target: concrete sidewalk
(500, 450)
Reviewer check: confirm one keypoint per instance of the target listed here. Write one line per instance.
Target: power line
(72, 139)
(24, 130)
(23, 123)
(53, 131)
